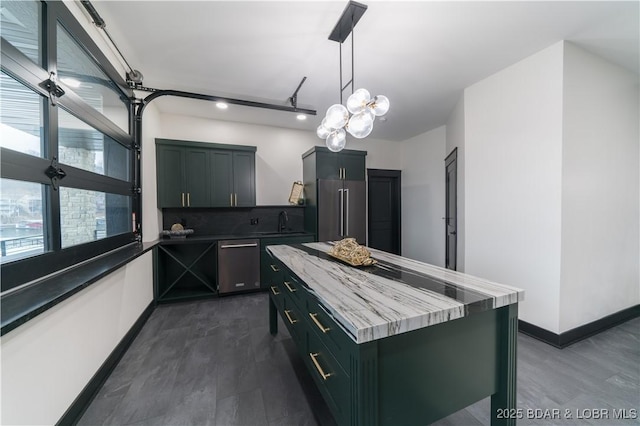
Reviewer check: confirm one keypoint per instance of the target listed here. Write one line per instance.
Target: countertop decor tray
(367, 262)
(182, 233)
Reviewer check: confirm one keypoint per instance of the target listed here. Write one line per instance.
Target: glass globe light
(380, 105)
(358, 101)
(337, 116)
(337, 140)
(323, 132)
(360, 125)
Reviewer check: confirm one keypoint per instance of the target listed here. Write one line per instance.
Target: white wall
(455, 139)
(600, 212)
(423, 196)
(278, 156)
(47, 361)
(513, 171)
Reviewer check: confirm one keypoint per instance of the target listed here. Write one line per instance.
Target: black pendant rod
(345, 25)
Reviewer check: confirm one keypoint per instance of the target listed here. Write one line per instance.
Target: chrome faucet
(283, 219)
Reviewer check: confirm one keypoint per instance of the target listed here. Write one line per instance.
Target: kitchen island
(400, 342)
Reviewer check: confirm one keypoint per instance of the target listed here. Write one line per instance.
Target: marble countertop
(393, 296)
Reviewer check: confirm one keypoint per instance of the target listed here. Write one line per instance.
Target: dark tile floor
(213, 362)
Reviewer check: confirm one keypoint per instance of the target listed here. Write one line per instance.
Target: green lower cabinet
(184, 271)
(269, 273)
(332, 381)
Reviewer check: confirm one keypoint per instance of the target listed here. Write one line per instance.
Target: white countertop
(395, 295)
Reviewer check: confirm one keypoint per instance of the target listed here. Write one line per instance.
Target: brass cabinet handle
(287, 283)
(183, 199)
(188, 199)
(274, 268)
(230, 199)
(236, 199)
(315, 362)
(322, 328)
(274, 290)
(291, 320)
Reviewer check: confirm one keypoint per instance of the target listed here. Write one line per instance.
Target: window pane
(21, 219)
(20, 117)
(87, 80)
(20, 26)
(89, 215)
(82, 146)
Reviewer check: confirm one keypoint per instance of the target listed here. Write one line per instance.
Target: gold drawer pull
(291, 320)
(274, 268)
(274, 290)
(315, 362)
(287, 283)
(322, 328)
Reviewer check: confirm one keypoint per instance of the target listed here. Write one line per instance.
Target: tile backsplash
(234, 221)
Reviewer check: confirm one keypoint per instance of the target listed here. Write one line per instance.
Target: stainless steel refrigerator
(341, 210)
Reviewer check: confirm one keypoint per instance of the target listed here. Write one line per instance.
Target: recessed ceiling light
(71, 82)
(301, 117)
(222, 105)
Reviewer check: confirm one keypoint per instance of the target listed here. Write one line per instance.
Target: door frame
(393, 174)
(449, 159)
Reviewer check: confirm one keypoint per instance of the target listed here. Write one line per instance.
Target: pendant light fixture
(362, 109)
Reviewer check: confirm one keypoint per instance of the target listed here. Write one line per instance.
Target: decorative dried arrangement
(349, 251)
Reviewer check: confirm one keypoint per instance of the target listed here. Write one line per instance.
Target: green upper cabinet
(221, 178)
(233, 178)
(170, 170)
(344, 165)
(196, 182)
(244, 179)
(197, 174)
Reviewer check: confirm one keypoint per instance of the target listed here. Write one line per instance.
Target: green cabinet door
(170, 172)
(327, 165)
(340, 165)
(196, 178)
(197, 174)
(221, 172)
(353, 166)
(244, 179)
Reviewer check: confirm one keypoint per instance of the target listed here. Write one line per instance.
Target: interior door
(355, 210)
(451, 218)
(330, 208)
(384, 210)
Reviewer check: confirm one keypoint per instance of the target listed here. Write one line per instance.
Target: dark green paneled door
(244, 179)
(170, 163)
(221, 178)
(197, 181)
(384, 209)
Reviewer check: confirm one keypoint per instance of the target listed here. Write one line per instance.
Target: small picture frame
(296, 193)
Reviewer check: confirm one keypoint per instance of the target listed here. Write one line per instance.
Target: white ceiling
(420, 54)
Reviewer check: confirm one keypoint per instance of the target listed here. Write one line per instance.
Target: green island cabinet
(199, 174)
(269, 273)
(411, 378)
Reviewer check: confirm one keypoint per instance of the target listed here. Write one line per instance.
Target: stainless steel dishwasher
(238, 265)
